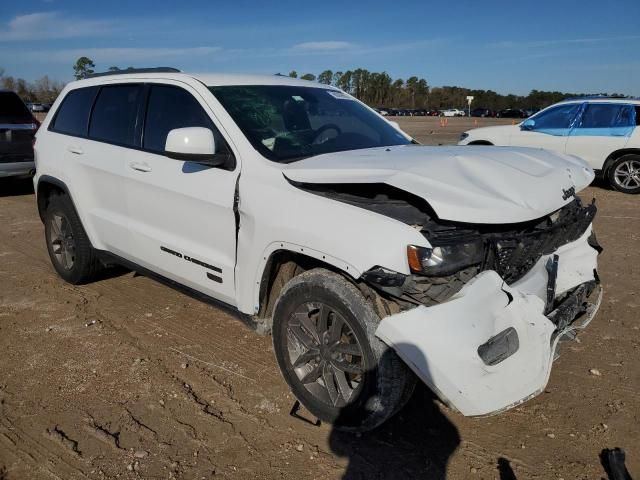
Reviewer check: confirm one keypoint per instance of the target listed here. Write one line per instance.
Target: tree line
(377, 89)
(43, 90)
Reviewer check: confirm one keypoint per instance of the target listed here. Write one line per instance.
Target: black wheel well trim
(480, 142)
(47, 180)
(274, 278)
(616, 155)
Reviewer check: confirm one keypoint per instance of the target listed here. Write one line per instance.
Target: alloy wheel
(627, 174)
(62, 242)
(325, 354)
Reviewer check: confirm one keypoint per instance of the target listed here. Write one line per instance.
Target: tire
(624, 174)
(69, 248)
(336, 367)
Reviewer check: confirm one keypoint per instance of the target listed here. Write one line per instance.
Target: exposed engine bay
(509, 249)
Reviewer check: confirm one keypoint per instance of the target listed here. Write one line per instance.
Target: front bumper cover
(490, 347)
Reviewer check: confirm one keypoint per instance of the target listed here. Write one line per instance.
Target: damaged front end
(485, 306)
(484, 337)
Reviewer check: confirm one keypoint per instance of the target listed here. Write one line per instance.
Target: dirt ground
(128, 378)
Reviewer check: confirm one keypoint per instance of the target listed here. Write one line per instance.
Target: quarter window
(172, 107)
(114, 115)
(72, 116)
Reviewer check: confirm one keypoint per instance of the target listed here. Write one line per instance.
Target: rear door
(96, 127)
(114, 129)
(181, 213)
(602, 129)
(549, 129)
(17, 128)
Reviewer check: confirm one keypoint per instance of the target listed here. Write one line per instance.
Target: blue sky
(508, 46)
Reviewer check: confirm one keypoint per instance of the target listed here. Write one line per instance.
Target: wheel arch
(616, 155)
(284, 263)
(480, 142)
(47, 185)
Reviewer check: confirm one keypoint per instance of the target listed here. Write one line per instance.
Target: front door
(548, 129)
(181, 213)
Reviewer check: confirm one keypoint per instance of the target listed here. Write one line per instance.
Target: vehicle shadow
(417, 443)
(15, 186)
(505, 469)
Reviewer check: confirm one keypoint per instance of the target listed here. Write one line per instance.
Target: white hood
(467, 184)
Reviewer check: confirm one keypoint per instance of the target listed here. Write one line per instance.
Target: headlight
(445, 259)
(463, 135)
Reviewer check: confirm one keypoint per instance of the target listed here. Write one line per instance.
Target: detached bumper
(491, 346)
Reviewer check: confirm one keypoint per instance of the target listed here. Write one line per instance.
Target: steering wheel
(324, 128)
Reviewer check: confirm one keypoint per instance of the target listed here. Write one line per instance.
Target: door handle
(140, 166)
(75, 150)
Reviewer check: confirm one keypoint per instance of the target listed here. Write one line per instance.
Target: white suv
(601, 131)
(367, 256)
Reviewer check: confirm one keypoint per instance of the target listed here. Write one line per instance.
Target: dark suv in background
(17, 130)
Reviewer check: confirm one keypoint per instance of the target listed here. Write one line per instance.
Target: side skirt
(109, 258)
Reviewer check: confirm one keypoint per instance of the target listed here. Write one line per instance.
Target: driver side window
(557, 120)
(172, 107)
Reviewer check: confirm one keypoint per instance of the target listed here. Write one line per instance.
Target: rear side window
(608, 115)
(172, 107)
(114, 114)
(13, 110)
(72, 116)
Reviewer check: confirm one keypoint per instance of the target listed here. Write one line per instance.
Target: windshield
(288, 123)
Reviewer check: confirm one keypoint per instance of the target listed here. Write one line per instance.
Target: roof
(209, 79)
(602, 99)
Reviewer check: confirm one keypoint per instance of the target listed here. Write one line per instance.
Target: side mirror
(193, 144)
(528, 124)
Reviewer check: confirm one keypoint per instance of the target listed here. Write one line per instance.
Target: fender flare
(47, 179)
(282, 246)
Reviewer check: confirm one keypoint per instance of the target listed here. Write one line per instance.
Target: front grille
(513, 254)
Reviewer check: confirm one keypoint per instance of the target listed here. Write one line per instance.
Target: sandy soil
(128, 378)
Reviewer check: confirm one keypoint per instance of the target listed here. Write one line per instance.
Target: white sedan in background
(601, 131)
(452, 112)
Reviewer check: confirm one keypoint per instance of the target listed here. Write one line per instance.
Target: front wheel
(624, 174)
(325, 344)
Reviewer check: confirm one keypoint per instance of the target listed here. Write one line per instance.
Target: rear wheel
(325, 344)
(69, 248)
(624, 174)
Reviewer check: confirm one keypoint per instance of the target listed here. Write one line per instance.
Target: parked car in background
(482, 112)
(511, 113)
(181, 174)
(452, 112)
(36, 107)
(17, 129)
(603, 132)
(434, 113)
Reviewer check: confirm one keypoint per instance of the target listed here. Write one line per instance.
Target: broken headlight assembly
(444, 259)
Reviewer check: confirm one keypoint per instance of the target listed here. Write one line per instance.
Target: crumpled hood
(475, 184)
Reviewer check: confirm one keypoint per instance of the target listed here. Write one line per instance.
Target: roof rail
(599, 97)
(135, 70)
